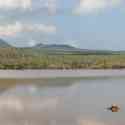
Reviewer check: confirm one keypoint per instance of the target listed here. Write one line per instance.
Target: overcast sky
(88, 24)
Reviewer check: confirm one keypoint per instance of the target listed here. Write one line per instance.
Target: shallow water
(62, 101)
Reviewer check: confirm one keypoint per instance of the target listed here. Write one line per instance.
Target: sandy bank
(8, 74)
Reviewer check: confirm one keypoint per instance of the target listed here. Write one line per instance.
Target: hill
(4, 44)
(54, 46)
(67, 49)
(57, 49)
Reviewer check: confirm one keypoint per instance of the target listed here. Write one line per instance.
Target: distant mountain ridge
(58, 49)
(4, 43)
(54, 46)
(69, 48)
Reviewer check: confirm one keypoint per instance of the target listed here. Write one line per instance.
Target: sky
(87, 24)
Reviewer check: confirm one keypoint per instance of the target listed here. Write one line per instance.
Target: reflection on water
(62, 101)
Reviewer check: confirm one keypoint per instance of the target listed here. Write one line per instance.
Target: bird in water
(114, 108)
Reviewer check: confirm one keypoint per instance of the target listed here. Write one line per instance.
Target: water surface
(62, 101)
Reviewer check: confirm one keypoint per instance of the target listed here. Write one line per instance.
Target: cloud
(74, 43)
(45, 28)
(13, 29)
(14, 4)
(89, 6)
(32, 42)
(49, 5)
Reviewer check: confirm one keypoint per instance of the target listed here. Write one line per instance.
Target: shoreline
(78, 73)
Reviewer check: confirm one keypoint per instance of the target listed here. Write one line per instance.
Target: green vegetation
(29, 58)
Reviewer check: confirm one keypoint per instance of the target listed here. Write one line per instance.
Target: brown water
(70, 101)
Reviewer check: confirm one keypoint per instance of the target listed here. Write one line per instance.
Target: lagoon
(62, 101)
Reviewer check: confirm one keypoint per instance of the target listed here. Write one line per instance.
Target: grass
(13, 58)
